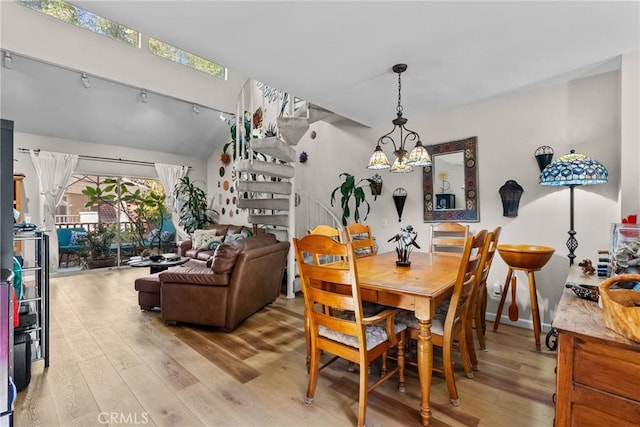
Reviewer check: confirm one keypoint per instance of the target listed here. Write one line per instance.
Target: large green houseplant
(194, 210)
(351, 189)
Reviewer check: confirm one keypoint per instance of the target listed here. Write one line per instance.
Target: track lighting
(85, 81)
(143, 96)
(195, 108)
(7, 60)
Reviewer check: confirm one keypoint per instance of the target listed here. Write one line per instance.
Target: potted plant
(144, 201)
(351, 189)
(96, 247)
(376, 185)
(195, 212)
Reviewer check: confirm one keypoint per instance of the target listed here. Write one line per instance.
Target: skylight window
(84, 19)
(165, 50)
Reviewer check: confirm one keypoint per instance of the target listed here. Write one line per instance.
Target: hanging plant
(351, 189)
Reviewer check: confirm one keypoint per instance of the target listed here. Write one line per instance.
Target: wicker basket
(621, 307)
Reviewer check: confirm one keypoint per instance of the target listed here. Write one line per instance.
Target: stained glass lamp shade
(571, 170)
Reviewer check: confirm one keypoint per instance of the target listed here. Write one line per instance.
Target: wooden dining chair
(448, 237)
(327, 230)
(361, 239)
(449, 324)
(480, 302)
(343, 332)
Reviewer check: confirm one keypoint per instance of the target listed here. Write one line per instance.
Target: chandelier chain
(399, 108)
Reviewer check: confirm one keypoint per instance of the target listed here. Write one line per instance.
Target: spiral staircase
(265, 174)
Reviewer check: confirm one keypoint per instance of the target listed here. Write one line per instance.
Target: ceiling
(337, 55)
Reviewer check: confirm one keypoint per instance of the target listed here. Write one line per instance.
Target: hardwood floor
(114, 364)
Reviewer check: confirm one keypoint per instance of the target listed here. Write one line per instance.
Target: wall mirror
(450, 184)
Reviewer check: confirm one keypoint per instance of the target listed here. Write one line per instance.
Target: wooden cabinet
(17, 205)
(598, 372)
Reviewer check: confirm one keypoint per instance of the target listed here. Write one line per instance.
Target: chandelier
(402, 163)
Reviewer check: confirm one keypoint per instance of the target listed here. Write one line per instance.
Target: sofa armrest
(184, 246)
(194, 276)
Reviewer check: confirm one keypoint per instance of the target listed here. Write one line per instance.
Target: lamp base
(403, 263)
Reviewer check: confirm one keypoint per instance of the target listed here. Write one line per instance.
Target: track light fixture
(85, 81)
(143, 96)
(195, 108)
(7, 60)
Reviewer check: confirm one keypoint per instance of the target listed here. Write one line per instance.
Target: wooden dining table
(420, 288)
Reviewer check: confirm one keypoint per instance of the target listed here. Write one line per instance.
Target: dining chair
(479, 312)
(448, 237)
(449, 324)
(327, 230)
(361, 239)
(344, 332)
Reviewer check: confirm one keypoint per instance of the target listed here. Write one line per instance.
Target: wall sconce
(510, 194)
(85, 81)
(7, 61)
(544, 155)
(399, 197)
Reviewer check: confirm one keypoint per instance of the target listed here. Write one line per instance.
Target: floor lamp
(571, 170)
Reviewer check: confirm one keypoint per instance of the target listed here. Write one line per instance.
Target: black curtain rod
(103, 159)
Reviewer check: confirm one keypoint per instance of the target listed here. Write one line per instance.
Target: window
(84, 19)
(165, 50)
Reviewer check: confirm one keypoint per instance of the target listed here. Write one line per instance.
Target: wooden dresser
(598, 372)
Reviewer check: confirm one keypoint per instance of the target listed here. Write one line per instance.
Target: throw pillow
(199, 235)
(75, 235)
(232, 237)
(211, 242)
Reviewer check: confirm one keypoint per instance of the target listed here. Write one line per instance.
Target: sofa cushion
(226, 255)
(220, 229)
(149, 284)
(205, 255)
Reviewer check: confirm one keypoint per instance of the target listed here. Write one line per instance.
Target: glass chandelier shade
(378, 160)
(418, 155)
(574, 169)
(400, 165)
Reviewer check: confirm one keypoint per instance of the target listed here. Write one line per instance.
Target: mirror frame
(469, 149)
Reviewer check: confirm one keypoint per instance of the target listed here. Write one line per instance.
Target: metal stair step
(274, 147)
(277, 220)
(265, 168)
(292, 129)
(271, 204)
(315, 113)
(270, 187)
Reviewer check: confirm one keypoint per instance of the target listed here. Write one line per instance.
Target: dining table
(420, 288)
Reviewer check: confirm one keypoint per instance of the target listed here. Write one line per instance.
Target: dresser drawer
(612, 369)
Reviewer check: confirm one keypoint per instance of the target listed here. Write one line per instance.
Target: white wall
(24, 165)
(582, 115)
(630, 102)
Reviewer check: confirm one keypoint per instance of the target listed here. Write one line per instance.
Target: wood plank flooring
(114, 364)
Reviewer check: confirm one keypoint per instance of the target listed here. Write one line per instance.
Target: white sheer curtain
(169, 176)
(53, 171)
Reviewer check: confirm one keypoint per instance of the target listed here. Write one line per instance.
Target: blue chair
(68, 242)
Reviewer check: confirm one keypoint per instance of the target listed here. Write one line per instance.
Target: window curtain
(169, 176)
(53, 171)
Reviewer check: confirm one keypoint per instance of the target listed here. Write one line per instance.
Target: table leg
(505, 291)
(535, 312)
(425, 366)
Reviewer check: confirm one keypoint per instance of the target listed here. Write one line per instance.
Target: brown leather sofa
(242, 277)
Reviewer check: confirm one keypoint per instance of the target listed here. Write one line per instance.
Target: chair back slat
(333, 233)
(361, 238)
(448, 237)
